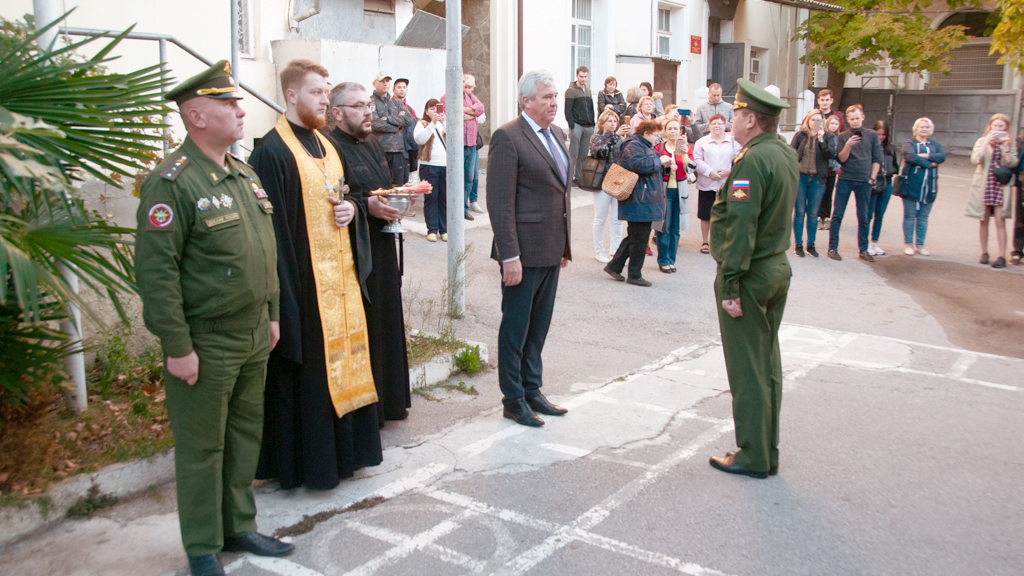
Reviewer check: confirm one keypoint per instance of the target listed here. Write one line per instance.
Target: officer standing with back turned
(207, 273)
(750, 231)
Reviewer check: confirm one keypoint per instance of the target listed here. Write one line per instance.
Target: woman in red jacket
(677, 194)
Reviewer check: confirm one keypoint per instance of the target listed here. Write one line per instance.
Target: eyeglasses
(357, 106)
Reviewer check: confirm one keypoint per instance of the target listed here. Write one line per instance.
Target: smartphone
(439, 108)
(998, 135)
(857, 132)
(684, 111)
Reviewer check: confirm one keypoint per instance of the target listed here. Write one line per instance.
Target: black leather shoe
(521, 412)
(257, 544)
(541, 405)
(205, 565)
(615, 274)
(728, 464)
(771, 471)
(639, 282)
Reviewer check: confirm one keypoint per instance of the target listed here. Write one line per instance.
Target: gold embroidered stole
(349, 377)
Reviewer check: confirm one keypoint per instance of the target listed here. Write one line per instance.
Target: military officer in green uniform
(206, 264)
(750, 231)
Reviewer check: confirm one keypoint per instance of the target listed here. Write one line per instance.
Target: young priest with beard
(320, 417)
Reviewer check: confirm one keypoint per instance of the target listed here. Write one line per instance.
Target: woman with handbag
(882, 190)
(919, 184)
(713, 154)
(813, 150)
(677, 194)
(995, 155)
(646, 203)
(433, 157)
(604, 146)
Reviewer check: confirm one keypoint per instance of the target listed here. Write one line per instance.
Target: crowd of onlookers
(839, 156)
(669, 148)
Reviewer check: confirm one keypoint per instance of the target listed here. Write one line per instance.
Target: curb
(129, 478)
(440, 368)
(117, 480)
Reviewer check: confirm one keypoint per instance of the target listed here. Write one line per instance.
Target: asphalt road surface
(900, 451)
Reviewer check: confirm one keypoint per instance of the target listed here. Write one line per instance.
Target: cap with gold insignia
(752, 97)
(214, 82)
(382, 75)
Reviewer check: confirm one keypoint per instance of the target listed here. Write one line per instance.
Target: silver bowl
(402, 202)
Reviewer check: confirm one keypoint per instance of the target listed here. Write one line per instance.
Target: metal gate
(960, 116)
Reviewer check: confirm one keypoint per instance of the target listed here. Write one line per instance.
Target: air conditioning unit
(755, 66)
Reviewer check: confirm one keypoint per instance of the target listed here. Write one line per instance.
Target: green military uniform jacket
(752, 217)
(206, 257)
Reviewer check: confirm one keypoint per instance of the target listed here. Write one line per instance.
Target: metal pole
(456, 173)
(235, 148)
(163, 76)
(45, 12)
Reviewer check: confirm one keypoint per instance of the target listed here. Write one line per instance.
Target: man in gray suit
(528, 199)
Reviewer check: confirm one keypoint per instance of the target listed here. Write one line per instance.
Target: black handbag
(592, 173)
(899, 181)
(1003, 174)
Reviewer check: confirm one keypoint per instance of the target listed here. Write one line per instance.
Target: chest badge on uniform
(203, 204)
(216, 201)
(740, 190)
(259, 192)
(226, 200)
(160, 216)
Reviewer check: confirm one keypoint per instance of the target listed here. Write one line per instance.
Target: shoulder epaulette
(239, 159)
(174, 169)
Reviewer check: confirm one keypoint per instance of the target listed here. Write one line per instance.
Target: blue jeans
(668, 238)
(472, 166)
(876, 210)
(861, 192)
(915, 217)
(808, 203)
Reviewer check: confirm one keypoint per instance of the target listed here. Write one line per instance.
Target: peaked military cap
(752, 97)
(214, 82)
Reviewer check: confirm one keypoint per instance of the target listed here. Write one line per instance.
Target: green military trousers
(753, 361)
(218, 426)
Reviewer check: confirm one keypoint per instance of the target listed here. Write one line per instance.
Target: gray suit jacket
(527, 200)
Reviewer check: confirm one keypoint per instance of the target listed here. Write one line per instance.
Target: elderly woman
(645, 111)
(429, 134)
(921, 156)
(610, 98)
(713, 154)
(989, 197)
(677, 193)
(813, 150)
(645, 205)
(605, 143)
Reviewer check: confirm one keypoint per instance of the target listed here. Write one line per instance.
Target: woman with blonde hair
(921, 156)
(644, 111)
(605, 143)
(633, 95)
(995, 154)
(813, 151)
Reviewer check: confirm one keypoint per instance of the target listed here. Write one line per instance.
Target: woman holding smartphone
(994, 154)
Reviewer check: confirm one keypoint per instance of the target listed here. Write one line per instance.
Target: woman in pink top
(713, 155)
(644, 111)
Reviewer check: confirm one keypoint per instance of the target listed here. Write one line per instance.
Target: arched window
(971, 66)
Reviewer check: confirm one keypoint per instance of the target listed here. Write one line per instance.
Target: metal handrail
(162, 38)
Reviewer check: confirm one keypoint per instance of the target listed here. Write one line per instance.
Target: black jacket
(823, 152)
(616, 100)
(579, 106)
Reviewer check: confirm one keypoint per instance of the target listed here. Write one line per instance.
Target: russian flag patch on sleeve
(740, 190)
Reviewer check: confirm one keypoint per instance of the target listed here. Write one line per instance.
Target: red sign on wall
(694, 44)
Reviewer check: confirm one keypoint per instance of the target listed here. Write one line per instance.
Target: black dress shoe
(615, 274)
(521, 412)
(541, 405)
(728, 464)
(771, 471)
(205, 565)
(257, 544)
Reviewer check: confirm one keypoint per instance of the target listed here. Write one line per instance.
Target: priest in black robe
(367, 169)
(304, 440)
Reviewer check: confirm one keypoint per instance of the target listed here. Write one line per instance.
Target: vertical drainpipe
(45, 12)
(236, 147)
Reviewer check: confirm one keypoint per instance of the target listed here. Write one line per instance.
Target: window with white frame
(664, 31)
(244, 29)
(582, 33)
